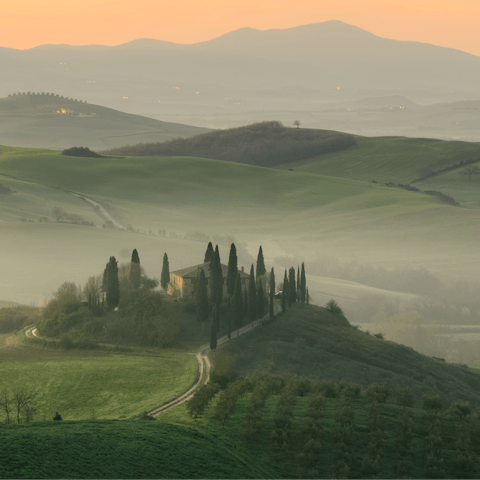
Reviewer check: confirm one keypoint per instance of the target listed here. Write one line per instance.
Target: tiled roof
(191, 272)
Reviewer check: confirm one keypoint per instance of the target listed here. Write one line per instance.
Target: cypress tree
(238, 304)
(272, 292)
(203, 307)
(165, 276)
(213, 329)
(260, 301)
(135, 274)
(232, 269)
(245, 302)
(209, 253)
(298, 282)
(261, 270)
(285, 296)
(216, 278)
(308, 297)
(229, 317)
(303, 283)
(252, 297)
(292, 296)
(112, 284)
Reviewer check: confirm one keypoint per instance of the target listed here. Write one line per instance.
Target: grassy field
(93, 384)
(389, 159)
(288, 213)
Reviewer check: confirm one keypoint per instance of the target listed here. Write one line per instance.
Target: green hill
(52, 121)
(389, 159)
(263, 144)
(309, 340)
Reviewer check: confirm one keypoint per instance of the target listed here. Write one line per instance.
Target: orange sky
(27, 23)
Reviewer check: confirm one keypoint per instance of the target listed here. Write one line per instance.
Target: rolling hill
(52, 121)
(166, 198)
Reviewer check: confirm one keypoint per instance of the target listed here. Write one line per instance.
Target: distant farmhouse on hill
(183, 282)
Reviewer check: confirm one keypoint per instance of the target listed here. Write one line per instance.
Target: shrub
(57, 417)
(333, 307)
(81, 152)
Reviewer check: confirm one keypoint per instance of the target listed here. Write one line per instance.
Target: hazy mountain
(214, 83)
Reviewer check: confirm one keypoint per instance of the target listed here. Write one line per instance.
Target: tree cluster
(81, 152)
(202, 397)
(264, 144)
(252, 421)
(18, 403)
(227, 402)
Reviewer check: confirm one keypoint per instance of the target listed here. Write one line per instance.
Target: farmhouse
(183, 282)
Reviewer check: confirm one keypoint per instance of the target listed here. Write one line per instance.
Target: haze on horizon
(107, 22)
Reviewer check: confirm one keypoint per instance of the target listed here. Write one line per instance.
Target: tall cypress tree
(216, 278)
(245, 302)
(112, 284)
(203, 307)
(285, 296)
(252, 297)
(238, 304)
(135, 275)
(260, 301)
(272, 292)
(165, 276)
(303, 283)
(298, 282)
(232, 269)
(292, 297)
(229, 317)
(213, 329)
(307, 297)
(261, 270)
(209, 253)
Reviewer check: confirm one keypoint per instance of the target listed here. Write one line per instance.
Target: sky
(28, 23)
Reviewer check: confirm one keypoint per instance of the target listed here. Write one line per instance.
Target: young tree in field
(112, 284)
(292, 290)
(238, 304)
(6, 404)
(165, 276)
(303, 284)
(245, 303)
(272, 292)
(209, 253)
(252, 297)
(470, 170)
(260, 301)
(213, 328)
(203, 307)
(261, 270)
(296, 123)
(135, 273)
(232, 269)
(285, 292)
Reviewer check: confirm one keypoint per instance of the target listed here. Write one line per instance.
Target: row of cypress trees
(294, 289)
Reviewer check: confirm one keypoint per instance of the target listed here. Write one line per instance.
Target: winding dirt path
(101, 210)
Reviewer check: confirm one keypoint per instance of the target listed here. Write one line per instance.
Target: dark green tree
(229, 317)
(209, 253)
(261, 270)
(203, 307)
(112, 284)
(135, 274)
(216, 278)
(303, 284)
(238, 304)
(245, 302)
(232, 269)
(252, 297)
(307, 297)
(272, 292)
(213, 328)
(260, 300)
(298, 282)
(165, 277)
(285, 296)
(292, 289)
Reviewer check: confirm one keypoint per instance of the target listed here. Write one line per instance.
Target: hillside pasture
(389, 159)
(95, 384)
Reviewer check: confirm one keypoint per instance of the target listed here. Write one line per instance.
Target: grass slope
(112, 449)
(389, 159)
(85, 384)
(309, 340)
(33, 121)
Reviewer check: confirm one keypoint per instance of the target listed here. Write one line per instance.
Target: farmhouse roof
(191, 272)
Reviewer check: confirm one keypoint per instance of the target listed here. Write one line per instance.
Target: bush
(333, 307)
(431, 402)
(378, 392)
(57, 417)
(81, 152)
